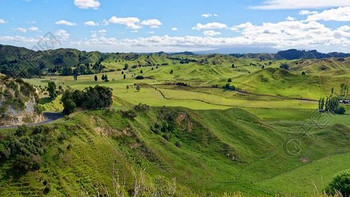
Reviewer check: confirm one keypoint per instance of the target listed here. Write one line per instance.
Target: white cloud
(86, 4)
(307, 12)
(102, 31)
(153, 23)
(210, 26)
(338, 14)
(289, 18)
(301, 4)
(23, 30)
(64, 22)
(211, 33)
(62, 35)
(207, 15)
(2, 21)
(151, 32)
(33, 29)
(174, 29)
(91, 23)
(129, 22)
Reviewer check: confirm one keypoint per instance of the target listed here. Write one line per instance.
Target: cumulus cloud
(23, 29)
(207, 15)
(301, 4)
(153, 23)
(210, 26)
(87, 4)
(129, 22)
(211, 33)
(2, 21)
(91, 23)
(174, 29)
(62, 35)
(64, 22)
(337, 14)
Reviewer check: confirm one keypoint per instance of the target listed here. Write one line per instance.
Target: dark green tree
(51, 88)
(96, 78)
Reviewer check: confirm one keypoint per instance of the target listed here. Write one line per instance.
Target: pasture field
(230, 141)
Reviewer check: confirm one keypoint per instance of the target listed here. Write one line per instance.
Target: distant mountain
(292, 54)
(22, 62)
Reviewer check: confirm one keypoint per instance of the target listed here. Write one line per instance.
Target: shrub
(131, 114)
(340, 183)
(141, 107)
(228, 87)
(284, 66)
(340, 110)
(178, 144)
(139, 77)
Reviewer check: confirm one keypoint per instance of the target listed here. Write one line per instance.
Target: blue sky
(178, 25)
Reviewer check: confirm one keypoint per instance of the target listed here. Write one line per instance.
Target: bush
(139, 77)
(69, 107)
(131, 114)
(228, 87)
(340, 183)
(178, 144)
(141, 107)
(284, 66)
(340, 110)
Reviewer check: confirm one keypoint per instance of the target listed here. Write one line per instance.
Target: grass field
(231, 141)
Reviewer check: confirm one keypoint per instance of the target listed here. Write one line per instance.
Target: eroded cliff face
(18, 103)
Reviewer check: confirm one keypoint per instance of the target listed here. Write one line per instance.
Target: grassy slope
(262, 167)
(222, 151)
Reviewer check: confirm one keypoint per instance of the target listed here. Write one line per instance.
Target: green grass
(235, 141)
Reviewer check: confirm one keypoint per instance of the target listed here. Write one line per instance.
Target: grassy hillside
(205, 152)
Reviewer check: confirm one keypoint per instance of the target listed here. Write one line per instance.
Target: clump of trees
(229, 87)
(24, 148)
(330, 104)
(97, 97)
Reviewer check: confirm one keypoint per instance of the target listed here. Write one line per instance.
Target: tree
(303, 73)
(138, 88)
(321, 104)
(126, 66)
(340, 183)
(284, 66)
(106, 78)
(340, 110)
(96, 78)
(344, 89)
(124, 76)
(103, 77)
(229, 80)
(141, 72)
(69, 106)
(51, 88)
(228, 87)
(171, 72)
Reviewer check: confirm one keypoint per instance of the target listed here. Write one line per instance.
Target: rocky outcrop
(18, 103)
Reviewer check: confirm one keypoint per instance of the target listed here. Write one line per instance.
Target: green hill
(191, 153)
